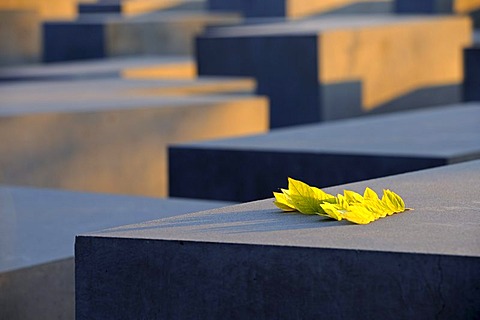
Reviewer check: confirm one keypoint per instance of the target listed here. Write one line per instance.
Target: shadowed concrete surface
(94, 36)
(463, 7)
(326, 154)
(333, 67)
(37, 230)
(254, 261)
(127, 67)
(471, 65)
(299, 8)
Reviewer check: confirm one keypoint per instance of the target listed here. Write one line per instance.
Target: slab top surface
(39, 225)
(87, 103)
(445, 219)
(450, 131)
(317, 25)
(79, 69)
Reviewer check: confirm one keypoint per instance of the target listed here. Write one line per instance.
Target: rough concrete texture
(321, 69)
(325, 154)
(104, 35)
(20, 37)
(37, 230)
(254, 261)
(128, 67)
(113, 143)
(471, 66)
(299, 8)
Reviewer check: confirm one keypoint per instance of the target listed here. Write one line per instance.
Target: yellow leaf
(283, 202)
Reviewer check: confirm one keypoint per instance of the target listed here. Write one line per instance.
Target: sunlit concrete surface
(326, 154)
(253, 261)
(300, 8)
(111, 142)
(20, 37)
(47, 9)
(338, 67)
(104, 35)
(37, 230)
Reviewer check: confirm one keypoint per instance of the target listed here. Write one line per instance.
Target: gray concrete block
(253, 261)
(94, 69)
(471, 65)
(325, 154)
(20, 37)
(37, 231)
(105, 35)
(299, 8)
(463, 7)
(103, 141)
(321, 69)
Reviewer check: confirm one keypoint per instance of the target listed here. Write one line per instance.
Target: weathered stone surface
(110, 142)
(325, 154)
(103, 35)
(299, 8)
(471, 65)
(37, 230)
(20, 37)
(321, 69)
(253, 261)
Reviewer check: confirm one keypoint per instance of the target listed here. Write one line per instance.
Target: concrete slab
(471, 66)
(321, 69)
(254, 261)
(115, 143)
(17, 49)
(128, 67)
(325, 154)
(463, 7)
(37, 230)
(106, 35)
(299, 8)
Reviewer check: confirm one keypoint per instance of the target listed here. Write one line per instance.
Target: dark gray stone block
(252, 261)
(37, 230)
(248, 168)
(321, 69)
(471, 66)
(111, 35)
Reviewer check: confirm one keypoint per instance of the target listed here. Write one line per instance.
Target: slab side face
(326, 154)
(116, 151)
(396, 61)
(471, 84)
(254, 261)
